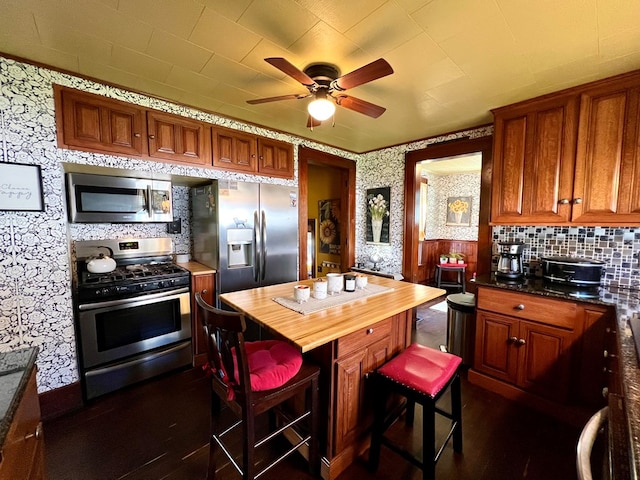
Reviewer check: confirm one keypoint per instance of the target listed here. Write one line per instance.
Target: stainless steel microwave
(107, 199)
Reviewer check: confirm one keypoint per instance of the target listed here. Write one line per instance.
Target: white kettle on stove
(102, 263)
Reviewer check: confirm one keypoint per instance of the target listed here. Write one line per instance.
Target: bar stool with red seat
(253, 378)
(421, 375)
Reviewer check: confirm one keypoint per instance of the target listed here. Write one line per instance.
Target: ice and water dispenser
(240, 247)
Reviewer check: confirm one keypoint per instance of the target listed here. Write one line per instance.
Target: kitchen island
(347, 341)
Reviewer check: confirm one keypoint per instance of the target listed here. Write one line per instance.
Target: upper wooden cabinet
(234, 150)
(275, 158)
(570, 158)
(99, 124)
(90, 122)
(607, 176)
(533, 161)
(247, 153)
(178, 138)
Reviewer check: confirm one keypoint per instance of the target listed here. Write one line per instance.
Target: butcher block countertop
(197, 268)
(315, 329)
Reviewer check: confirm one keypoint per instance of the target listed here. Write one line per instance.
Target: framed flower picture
(329, 227)
(459, 211)
(378, 215)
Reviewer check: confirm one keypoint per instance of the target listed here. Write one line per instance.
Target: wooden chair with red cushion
(253, 378)
(421, 375)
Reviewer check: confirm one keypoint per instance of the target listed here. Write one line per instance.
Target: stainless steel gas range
(133, 319)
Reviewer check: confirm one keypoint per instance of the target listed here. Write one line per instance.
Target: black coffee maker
(510, 261)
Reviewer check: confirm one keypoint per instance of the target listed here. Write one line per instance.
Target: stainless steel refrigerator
(248, 232)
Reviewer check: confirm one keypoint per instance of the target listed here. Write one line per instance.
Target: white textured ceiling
(454, 60)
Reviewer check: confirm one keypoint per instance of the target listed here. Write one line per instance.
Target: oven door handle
(124, 301)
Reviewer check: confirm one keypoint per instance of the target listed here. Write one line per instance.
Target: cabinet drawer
(530, 307)
(364, 337)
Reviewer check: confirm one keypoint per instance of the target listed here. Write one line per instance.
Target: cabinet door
(235, 151)
(607, 177)
(595, 360)
(178, 139)
(545, 360)
(496, 353)
(533, 161)
(23, 449)
(95, 123)
(350, 372)
(275, 158)
(205, 285)
(354, 402)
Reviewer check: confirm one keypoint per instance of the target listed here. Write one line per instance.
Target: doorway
(344, 176)
(413, 184)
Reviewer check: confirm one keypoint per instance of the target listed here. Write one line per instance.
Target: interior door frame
(412, 197)
(308, 156)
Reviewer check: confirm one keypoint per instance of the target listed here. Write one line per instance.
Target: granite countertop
(627, 305)
(15, 369)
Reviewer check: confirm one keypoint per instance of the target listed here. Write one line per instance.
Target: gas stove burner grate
(131, 274)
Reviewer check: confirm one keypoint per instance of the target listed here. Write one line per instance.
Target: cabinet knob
(512, 339)
(369, 331)
(577, 201)
(605, 392)
(204, 291)
(563, 201)
(137, 135)
(520, 307)
(608, 355)
(152, 137)
(36, 434)
(521, 341)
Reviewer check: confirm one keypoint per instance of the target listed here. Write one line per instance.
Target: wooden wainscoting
(430, 257)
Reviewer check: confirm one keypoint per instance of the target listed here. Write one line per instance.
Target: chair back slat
(225, 348)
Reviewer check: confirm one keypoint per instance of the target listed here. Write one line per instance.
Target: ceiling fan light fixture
(321, 108)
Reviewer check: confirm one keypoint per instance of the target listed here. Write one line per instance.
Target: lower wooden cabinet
(543, 350)
(205, 284)
(532, 356)
(22, 455)
(357, 355)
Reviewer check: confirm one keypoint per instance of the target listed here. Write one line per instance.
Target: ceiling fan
(326, 86)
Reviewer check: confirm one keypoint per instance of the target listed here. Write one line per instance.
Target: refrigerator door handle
(257, 246)
(263, 239)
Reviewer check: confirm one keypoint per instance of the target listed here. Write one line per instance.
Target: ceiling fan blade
(374, 70)
(360, 106)
(296, 96)
(291, 70)
(312, 122)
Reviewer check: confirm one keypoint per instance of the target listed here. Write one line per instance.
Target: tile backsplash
(619, 247)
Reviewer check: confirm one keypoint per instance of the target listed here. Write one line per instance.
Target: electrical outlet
(319, 268)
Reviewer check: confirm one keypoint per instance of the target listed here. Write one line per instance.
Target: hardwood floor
(159, 430)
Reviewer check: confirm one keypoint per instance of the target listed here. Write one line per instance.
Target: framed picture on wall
(21, 188)
(329, 228)
(459, 211)
(378, 215)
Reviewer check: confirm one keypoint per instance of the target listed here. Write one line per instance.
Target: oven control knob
(161, 284)
(141, 286)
